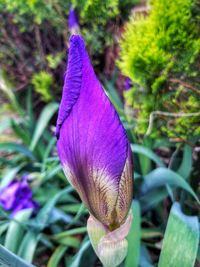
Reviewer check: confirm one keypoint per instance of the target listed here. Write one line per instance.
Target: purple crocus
(73, 22)
(16, 196)
(92, 144)
(128, 83)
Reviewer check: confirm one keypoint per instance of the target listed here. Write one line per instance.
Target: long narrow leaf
(77, 258)
(8, 176)
(13, 148)
(161, 177)
(57, 256)
(8, 259)
(15, 230)
(134, 237)
(148, 153)
(28, 246)
(180, 241)
(186, 164)
(42, 123)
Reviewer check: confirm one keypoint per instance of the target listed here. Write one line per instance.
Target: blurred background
(146, 55)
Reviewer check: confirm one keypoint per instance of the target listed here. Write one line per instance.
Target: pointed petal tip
(72, 83)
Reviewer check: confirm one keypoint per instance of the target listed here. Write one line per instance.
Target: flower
(93, 147)
(128, 83)
(17, 196)
(73, 22)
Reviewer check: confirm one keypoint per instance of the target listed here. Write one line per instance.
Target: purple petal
(128, 83)
(125, 189)
(25, 204)
(72, 83)
(73, 19)
(23, 193)
(92, 143)
(17, 196)
(8, 195)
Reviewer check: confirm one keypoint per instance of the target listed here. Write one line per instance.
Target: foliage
(162, 61)
(160, 53)
(95, 16)
(34, 35)
(35, 11)
(42, 82)
(56, 235)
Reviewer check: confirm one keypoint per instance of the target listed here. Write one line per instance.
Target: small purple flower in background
(16, 196)
(73, 22)
(128, 83)
(95, 154)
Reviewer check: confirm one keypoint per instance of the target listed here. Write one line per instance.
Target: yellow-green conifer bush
(160, 52)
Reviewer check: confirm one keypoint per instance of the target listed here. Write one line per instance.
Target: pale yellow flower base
(110, 247)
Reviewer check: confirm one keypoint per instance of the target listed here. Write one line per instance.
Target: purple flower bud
(73, 22)
(16, 196)
(128, 83)
(92, 144)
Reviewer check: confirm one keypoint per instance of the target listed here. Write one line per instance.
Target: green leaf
(15, 231)
(152, 198)
(57, 256)
(134, 237)
(181, 240)
(4, 124)
(148, 153)
(74, 208)
(3, 227)
(28, 246)
(186, 164)
(114, 96)
(42, 123)
(12, 147)
(8, 176)
(69, 241)
(8, 259)
(51, 173)
(51, 144)
(161, 177)
(151, 233)
(77, 258)
(65, 234)
(145, 259)
(20, 132)
(29, 106)
(45, 213)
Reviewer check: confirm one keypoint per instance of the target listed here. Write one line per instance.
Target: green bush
(97, 19)
(42, 82)
(160, 53)
(34, 34)
(37, 11)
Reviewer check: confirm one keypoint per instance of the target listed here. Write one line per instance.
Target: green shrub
(37, 11)
(95, 15)
(34, 34)
(160, 53)
(42, 83)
